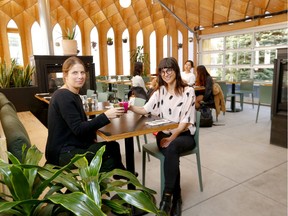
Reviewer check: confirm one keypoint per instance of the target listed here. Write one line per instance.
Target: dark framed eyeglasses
(168, 71)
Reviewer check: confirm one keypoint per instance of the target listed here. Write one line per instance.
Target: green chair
(89, 93)
(224, 88)
(122, 92)
(103, 87)
(265, 97)
(140, 102)
(246, 87)
(146, 79)
(152, 149)
(103, 96)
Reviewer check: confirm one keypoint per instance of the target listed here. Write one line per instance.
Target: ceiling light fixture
(125, 3)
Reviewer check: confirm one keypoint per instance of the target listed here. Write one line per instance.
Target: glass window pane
(15, 47)
(237, 74)
(263, 74)
(271, 37)
(238, 41)
(213, 44)
(265, 56)
(212, 59)
(238, 58)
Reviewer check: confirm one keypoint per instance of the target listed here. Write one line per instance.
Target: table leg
(129, 155)
(232, 105)
(130, 165)
(110, 87)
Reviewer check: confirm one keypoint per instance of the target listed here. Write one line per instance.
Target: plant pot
(124, 40)
(109, 43)
(69, 47)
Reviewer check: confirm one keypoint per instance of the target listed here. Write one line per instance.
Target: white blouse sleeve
(188, 107)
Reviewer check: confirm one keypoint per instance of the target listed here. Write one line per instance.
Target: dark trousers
(111, 158)
(184, 142)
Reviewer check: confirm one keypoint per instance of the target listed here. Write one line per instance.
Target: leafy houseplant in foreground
(52, 190)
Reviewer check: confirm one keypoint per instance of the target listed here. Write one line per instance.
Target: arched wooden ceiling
(146, 13)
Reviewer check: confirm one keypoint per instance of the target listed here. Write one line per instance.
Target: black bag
(206, 118)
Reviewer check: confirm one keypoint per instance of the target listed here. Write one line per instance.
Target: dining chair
(265, 97)
(122, 92)
(103, 87)
(146, 79)
(140, 102)
(103, 96)
(224, 88)
(227, 94)
(89, 93)
(152, 149)
(246, 87)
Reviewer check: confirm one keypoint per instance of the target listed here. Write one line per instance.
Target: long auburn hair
(171, 62)
(202, 74)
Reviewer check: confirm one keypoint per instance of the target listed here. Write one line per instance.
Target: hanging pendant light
(125, 3)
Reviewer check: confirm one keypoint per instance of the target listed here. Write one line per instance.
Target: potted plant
(110, 41)
(94, 45)
(69, 43)
(137, 55)
(125, 40)
(16, 84)
(50, 190)
(180, 45)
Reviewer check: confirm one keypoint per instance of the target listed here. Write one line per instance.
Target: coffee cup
(124, 104)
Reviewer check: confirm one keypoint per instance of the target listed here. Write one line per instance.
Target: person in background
(174, 100)
(204, 79)
(69, 131)
(188, 74)
(137, 79)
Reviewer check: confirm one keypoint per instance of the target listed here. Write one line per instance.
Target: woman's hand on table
(114, 112)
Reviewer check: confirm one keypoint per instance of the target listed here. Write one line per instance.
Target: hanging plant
(124, 40)
(94, 45)
(180, 45)
(110, 41)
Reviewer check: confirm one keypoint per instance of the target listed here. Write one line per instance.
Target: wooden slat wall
(142, 14)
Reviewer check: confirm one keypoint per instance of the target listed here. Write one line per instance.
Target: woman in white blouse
(173, 100)
(188, 74)
(137, 79)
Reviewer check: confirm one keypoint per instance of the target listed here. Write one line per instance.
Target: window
(246, 55)
(14, 40)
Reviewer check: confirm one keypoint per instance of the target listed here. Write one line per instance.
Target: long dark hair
(138, 68)
(202, 74)
(171, 62)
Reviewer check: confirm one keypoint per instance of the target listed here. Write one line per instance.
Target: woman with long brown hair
(174, 100)
(204, 79)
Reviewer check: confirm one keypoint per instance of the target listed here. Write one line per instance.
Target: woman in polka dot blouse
(173, 100)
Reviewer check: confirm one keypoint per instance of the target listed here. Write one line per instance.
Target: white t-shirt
(138, 81)
(180, 109)
(188, 77)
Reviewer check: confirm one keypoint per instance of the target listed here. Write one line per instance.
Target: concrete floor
(243, 174)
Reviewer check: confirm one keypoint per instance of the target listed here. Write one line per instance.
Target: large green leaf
(20, 184)
(78, 203)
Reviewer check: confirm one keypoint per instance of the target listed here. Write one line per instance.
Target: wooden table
(128, 126)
